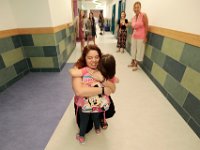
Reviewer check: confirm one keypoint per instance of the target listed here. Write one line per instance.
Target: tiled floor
(145, 120)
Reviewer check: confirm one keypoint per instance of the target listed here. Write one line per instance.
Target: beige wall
(34, 13)
(180, 15)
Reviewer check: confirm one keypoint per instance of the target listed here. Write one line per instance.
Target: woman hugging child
(103, 76)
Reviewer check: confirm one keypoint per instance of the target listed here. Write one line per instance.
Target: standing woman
(90, 28)
(122, 32)
(139, 36)
(81, 28)
(93, 26)
(101, 22)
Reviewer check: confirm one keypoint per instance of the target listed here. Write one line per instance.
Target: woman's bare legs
(82, 44)
(93, 38)
(135, 66)
(132, 63)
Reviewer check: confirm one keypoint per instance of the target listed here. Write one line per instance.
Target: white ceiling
(94, 4)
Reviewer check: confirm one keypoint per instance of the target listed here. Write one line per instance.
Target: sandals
(104, 125)
(98, 131)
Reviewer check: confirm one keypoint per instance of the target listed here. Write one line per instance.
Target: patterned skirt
(121, 39)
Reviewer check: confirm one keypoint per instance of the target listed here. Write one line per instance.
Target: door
(119, 9)
(113, 18)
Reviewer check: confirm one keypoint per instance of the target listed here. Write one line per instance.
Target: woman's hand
(107, 91)
(145, 40)
(110, 85)
(96, 75)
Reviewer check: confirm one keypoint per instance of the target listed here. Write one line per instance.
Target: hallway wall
(41, 37)
(172, 54)
(180, 15)
(173, 65)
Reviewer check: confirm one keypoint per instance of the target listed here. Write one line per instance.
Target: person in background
(101, 22)
(81, 28)
(90, 28)
(139, 35)
(93, 27)
(122, 32)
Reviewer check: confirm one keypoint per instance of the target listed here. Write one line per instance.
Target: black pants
(109, 113)
(84, 119)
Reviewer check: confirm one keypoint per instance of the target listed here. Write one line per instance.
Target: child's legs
(96, 120)
(84, 117)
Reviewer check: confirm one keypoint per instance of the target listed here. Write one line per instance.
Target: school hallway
(144, 119)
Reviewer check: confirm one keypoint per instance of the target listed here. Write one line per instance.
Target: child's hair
(107, 66)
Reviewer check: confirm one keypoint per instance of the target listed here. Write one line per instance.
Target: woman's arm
(145, 20)
(75, 72)
(110, 85)
(99, 77)
(126, 22)
(77, 27)
(85, 91)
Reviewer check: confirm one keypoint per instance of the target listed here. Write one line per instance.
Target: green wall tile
(195, 127)
(147, 63)
(7, 74)
(44, 39)
(6, 44)
(62, 46)
(50, 51)
(2, 65)
(156, 41)
(27, 40)
(55, 61)
(42, 62)
(191, 81)
(12, 57)
(21, 66)
(172, 48)
(192, 105)
(191, 57)
(17, 41)
(148, 50)
(175, 89)
(158, 57)
(158, 73)
(59, 36)
(174, 68)
(68, 32)
(33, 51)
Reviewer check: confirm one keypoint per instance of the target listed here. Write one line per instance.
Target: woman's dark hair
(92, 17)
(124, 13)
(107, 66)
(82, 60)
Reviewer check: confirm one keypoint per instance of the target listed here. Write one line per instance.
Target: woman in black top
(93, 24)
(122, 32)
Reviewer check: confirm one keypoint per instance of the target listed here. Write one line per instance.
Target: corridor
(144, 119)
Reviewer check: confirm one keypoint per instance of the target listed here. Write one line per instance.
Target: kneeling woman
(90, 59)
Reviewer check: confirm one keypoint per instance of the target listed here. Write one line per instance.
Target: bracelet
(102, 91)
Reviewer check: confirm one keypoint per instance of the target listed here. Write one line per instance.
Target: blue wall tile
(174, 68)
(27, 40)
(2, 65)
(17, 41)
(156, 41)
(50, 50)
(192, 105)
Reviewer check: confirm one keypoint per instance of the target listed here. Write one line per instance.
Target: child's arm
(110, 84)
(75, 72)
